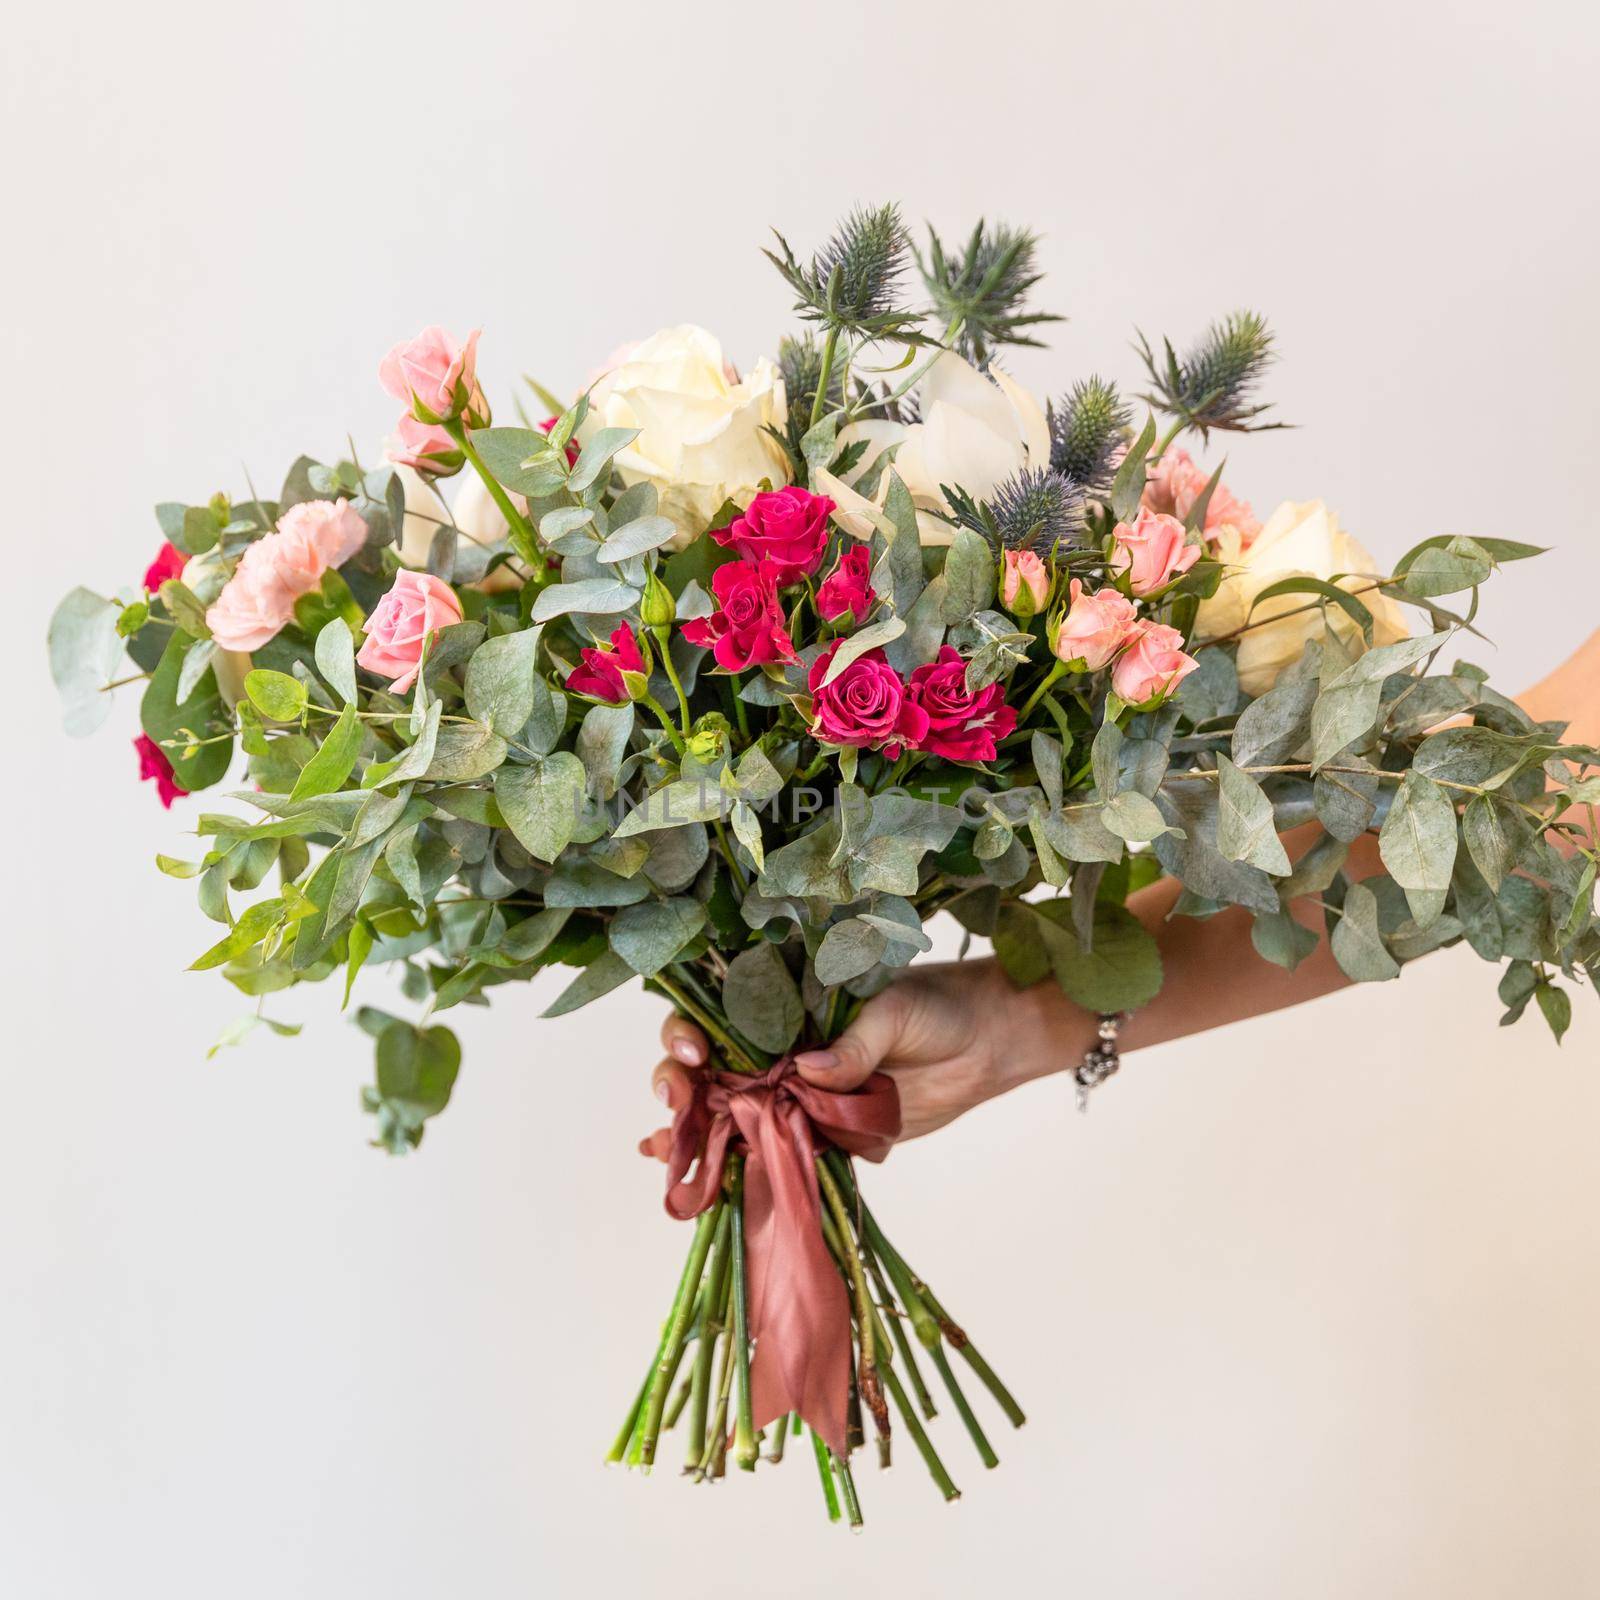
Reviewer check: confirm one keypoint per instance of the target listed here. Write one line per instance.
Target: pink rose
(1095, 627)
(417, 606)
(1153, 665)
(747, 629)
(600, 676)
(257, 602)
(784, 529)
(423, 447)
(961, 726)
(153, 764)
(848, 588)
(436, 378)
(1175, 483)
(168, 564)
(867, 704)
(1152, 552)
(1024, 578)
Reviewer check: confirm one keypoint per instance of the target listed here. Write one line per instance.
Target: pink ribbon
(799, 1310)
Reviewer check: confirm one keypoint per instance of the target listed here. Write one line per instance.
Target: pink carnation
(416, 607)
(867, 705)
(257, 602)
(600, 675)
(784, 530)
(962, 726)
(748, 629)
(848, 588)
(1153, 665)
(1175, 483)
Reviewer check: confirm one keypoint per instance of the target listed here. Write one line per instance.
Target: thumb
(856, 1054)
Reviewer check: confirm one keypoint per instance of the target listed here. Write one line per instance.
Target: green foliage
(1214, 385)
(982, 288)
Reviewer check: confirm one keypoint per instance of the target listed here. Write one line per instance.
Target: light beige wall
(1307, 1308)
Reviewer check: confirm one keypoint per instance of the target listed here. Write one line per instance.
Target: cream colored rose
(1300, 539)
(205, 575)
(975, 432)
(701, 438)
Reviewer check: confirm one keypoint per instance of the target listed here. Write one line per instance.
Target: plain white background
(1309, 1307)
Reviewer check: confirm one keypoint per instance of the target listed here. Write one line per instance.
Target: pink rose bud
(257, 602)
(866, 705)
(1152, 666)
(1152, 552)
(436, 378)
(783, 530)
(415, 608)
(847, 590)
(1175, 483)
(604, 672)
(1095, 627)
(748, 629)
(1024, 583)
(423, 447)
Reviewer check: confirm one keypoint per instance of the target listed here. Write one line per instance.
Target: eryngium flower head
(800, 362)
(1085, 428)
(1037, 509)
(1214, 385)
(984, 286)
(853, 281)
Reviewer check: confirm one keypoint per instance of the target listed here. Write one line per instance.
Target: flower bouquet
(729, 683)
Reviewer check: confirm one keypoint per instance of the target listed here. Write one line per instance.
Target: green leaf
(602, 745)
(251, 928)
(636, 538)
(1134, 817)
(521, 459)
(196, 659)
(1348, 704)
(1104, 757)
(85, 652)
(969, 576)
(201, 715)
(1418, 845)
(761, 999)
(500, 681)
(417, 1068)
(600, 977)
(1246, 828)
(1556, 1005)
(860, 642)
(335, 760)
(1120, 971)
(597, 597)
(848, 950)
(1305, 584)
(335, 653)
(184, 607)
(1270, 730)
(529, 939)
(463, 752)
(275, 694)
(903, 557)
(1278, 938)
(1357, 945)
(1494, 837)
(650, 935)
(1460, 563)
(697, 799)
(1127, 488)
(541, 802)
(596, 456)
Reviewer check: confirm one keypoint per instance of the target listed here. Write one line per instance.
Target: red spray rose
(153, 764)
(785, 531)
(961, 726)
(849, 586)
(748, 627)
(867, 704)
(168, 564)
(600, 676)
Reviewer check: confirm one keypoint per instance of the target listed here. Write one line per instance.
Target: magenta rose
(600, 676)
(866, 705)
(1152, 666)
(416, 607)
(747, 629)
(962, 726)
(848, 588)
(154, 766)
(435, 377)
(784, 530)
(168, 564)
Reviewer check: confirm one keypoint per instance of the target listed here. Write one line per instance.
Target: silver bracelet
(1100, 1061)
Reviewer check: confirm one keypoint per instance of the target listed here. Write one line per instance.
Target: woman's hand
(951, 1035)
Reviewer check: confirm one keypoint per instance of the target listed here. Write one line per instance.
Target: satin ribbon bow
(799, 1310)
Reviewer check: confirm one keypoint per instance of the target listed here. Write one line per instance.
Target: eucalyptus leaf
(761, 999)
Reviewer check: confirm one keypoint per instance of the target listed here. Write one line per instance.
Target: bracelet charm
(1101, 1060)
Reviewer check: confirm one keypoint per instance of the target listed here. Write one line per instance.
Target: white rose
(701, 438)
(975, 432)
(1300, 539)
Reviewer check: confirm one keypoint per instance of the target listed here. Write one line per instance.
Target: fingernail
(818, 1060)
(664, 1093)
(687, 1051)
